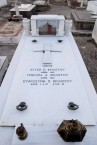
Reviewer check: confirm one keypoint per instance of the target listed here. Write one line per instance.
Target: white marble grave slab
(42, 135)
(24, 7)
(47, 90)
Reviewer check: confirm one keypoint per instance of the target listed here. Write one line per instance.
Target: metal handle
(22, 106)
(73, 106)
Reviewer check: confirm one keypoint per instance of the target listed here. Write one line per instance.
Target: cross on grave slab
(16, 4)
(47, 56)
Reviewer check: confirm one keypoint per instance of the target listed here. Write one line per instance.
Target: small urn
(21, 132)
(72, 131)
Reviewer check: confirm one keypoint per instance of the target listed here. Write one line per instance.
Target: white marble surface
(47, 17)
(92, 6)
(6, 133)
(3, 3)
(24, 7)
(39, 2)
(42, 106)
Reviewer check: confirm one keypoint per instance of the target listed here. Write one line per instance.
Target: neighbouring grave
(83, 20)
(24, 9)
(41, 5)
(10, 32)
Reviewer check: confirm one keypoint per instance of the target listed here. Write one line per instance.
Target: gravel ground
(88, 48)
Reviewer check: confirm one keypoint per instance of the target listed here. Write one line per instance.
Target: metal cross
(47, 50)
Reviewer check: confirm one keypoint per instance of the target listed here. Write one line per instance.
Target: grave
(11, 32)
(83, 20)
(47, 72)
(24, 9)
(41, 5)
